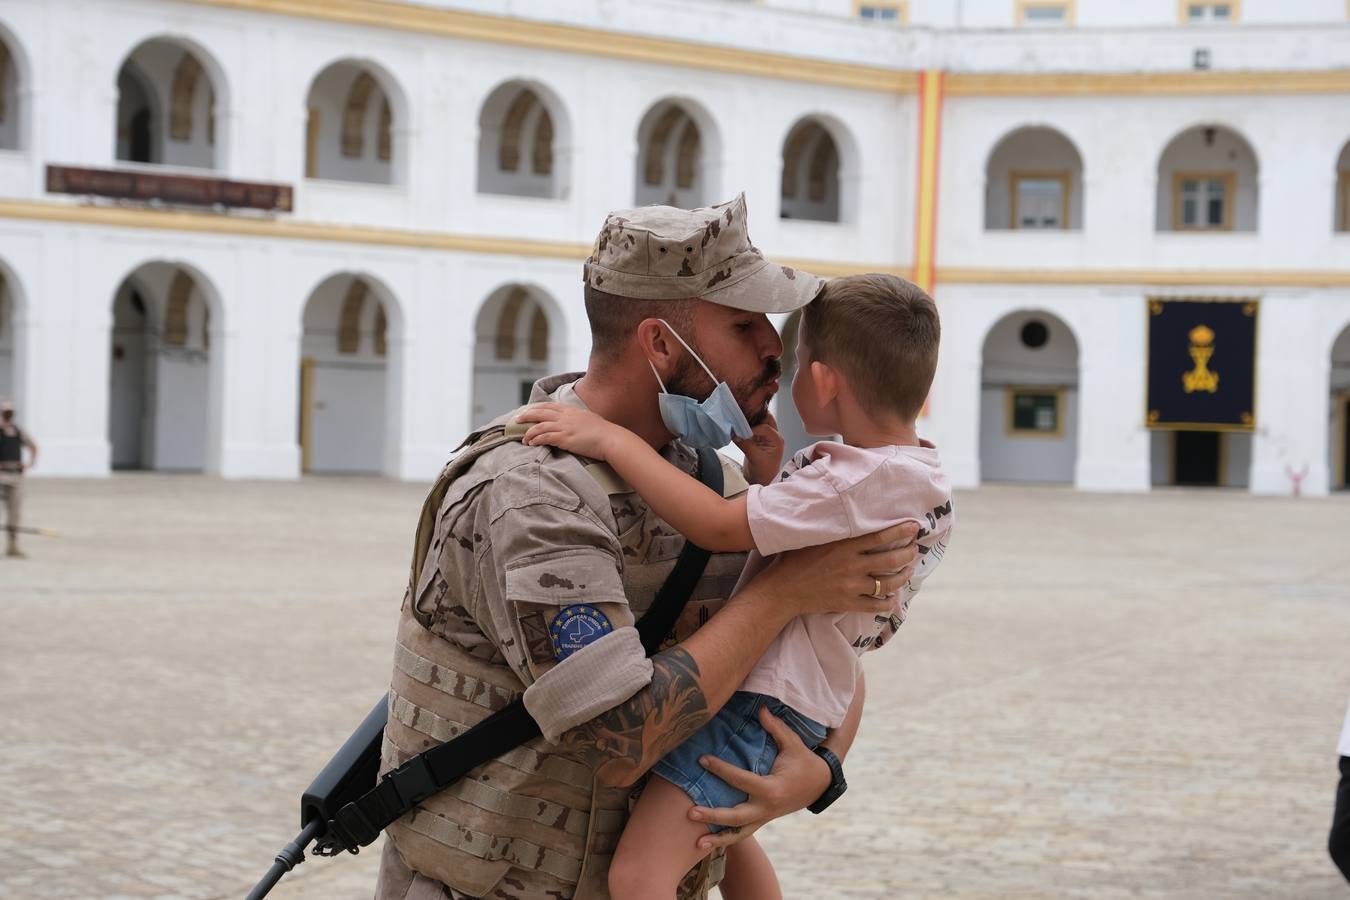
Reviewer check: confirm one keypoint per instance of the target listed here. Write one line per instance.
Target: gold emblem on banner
(1202, 348)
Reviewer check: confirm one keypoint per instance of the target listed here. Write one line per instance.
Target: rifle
(348, 804)
(350, 773)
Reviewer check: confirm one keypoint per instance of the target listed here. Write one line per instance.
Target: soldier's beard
(690, 380)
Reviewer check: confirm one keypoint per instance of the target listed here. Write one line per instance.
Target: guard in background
(1338, 844)
(12, 441)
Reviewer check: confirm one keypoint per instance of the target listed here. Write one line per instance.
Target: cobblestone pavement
(1097, 696)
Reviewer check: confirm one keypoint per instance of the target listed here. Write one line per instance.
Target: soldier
(12, 441)
(532, 565)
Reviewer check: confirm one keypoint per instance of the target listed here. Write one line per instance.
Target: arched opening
(11, 96)
(1029, 400)
(344, 417)
(160, 380)
(810, 186)
(8, 344)
(1342, 222)
(672, 157)
(351, 118)
(790, 426)
(521, 143)
(1340, 412)
(167, 106)
(1034, 181)
(1207, 181)
(515, 345)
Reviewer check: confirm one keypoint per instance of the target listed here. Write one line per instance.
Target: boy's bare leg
(658, 846)
(750, 874)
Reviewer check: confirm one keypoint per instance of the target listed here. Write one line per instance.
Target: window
(1202, 201)
(1045, 13)
(1040, 200)
(1202, 13)
(1035, 412)
(882, 11)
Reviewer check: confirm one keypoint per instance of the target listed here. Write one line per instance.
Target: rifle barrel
(290, 856)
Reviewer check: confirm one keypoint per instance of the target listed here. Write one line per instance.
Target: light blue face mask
(710, 424)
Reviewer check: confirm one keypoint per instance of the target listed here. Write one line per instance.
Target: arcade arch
(13, 94)
(164, 379)
(169, 96)
(1029, 400)
(1034, 180)
(345, 412)
(522, 133)
(811, 185)
(1342, 222)
(676, 141)
(9, 344)
(515, 344)
(1207, 181)
(352, 110)
(1339, 443)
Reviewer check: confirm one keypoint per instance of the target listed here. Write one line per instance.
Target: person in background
(1338, 843)
(13, 440)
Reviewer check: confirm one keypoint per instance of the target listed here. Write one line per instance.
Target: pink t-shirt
(827, 492)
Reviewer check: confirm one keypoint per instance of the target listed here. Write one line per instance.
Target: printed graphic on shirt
(575, 627)
(930, 554)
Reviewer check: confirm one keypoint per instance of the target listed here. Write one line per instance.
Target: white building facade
(434, 174)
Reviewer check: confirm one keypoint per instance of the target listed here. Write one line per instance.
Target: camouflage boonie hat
(666, 253)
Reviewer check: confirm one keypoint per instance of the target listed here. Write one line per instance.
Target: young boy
(866, 356)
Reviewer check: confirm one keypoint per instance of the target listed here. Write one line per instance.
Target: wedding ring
(876, 592)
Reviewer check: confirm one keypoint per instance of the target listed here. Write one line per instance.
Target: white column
(258, 367)
(1291, 437)
(1113, 444)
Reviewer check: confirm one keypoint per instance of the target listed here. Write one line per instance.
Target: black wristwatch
(837, 783)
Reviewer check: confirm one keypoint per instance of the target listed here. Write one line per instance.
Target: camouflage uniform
(519, 534)
(522, 533)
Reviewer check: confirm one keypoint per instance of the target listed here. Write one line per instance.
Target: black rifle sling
(358, 823)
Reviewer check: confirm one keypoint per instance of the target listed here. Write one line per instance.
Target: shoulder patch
(575, 627)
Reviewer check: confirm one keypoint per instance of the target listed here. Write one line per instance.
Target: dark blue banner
(1202, 364)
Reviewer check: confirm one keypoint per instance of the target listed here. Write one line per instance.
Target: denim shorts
(733, 735)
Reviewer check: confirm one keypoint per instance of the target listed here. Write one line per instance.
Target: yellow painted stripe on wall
(925, 213)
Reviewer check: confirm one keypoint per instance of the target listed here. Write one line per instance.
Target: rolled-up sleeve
(553, 598)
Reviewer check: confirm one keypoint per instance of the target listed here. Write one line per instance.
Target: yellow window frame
(1009, 401)
(1229, 180)
(1069, 7)
(1184, 10)
(1064, 177)
(901, 8)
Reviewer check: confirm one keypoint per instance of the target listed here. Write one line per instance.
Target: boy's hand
(569, 428)
(763, 451)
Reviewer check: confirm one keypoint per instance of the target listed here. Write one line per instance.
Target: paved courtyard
(1097, 696)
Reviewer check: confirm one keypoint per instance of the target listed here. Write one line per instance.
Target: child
(866, 356)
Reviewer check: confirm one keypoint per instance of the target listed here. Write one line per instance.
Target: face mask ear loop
(714, 378)
(658, 377)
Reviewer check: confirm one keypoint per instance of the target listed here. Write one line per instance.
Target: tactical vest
(535, 817)
(11, 449)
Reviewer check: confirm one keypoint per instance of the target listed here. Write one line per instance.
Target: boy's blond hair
(881, 333)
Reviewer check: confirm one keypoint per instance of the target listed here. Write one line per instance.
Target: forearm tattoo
(624, 742)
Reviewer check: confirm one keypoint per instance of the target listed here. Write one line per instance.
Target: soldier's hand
(797, 780)
(859, 574)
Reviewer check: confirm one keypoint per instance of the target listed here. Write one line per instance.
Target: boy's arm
(693, 509)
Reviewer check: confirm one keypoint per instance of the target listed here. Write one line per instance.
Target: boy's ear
(826, 382)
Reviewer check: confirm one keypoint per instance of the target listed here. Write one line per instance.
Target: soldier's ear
(657, 345)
